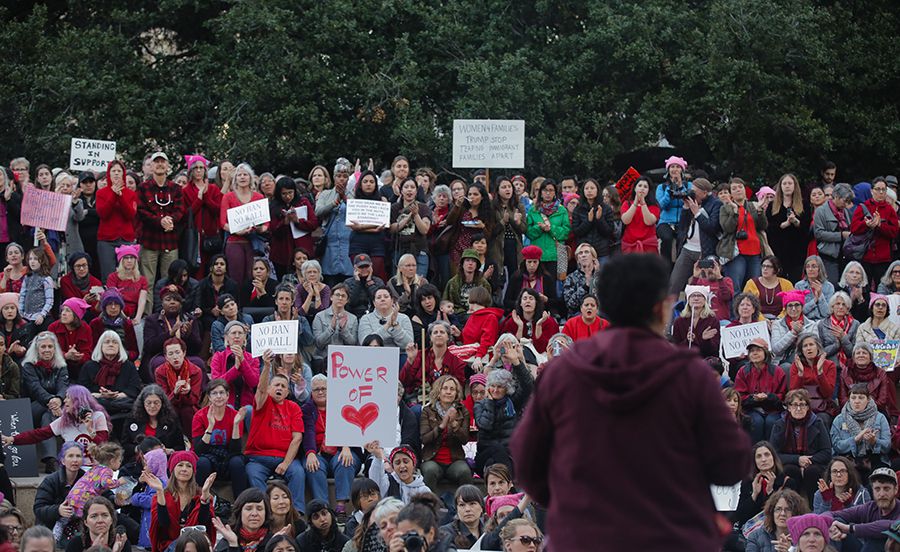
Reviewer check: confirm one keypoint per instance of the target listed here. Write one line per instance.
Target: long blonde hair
(796, 197)
(120, 269)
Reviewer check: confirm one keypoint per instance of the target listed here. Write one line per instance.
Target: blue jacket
(844, 444)
(670, 207)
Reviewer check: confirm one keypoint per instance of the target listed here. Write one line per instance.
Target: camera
(413, 541)
(683, 194)
(741, 235)
(705, 263)
(84, 412)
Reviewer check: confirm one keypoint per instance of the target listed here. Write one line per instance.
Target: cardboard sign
(280, 337)
(47, 210)
(735, 339)
(625, 185)
(302, 214)
(885, 354)
(248, 215)
(91, 155)
(488, 143)
(894, 308)
(15, 418)
(362, 396)
(368, 211)
(726, 497)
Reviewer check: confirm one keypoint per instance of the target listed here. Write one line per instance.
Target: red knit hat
(183, 456)
(532, 252)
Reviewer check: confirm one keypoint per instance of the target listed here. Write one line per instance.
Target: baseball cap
(891, 180)
(362, 260)
(157, 154)
(886, 473)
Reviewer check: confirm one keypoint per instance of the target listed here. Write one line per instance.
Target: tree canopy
(766, 86)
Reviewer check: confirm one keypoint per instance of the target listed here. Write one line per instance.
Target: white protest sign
(91, 155)
(726, 497)
(488, 143)
(44, 209)
(368, 211)
(894, 308)
(736, 338)
(302, 214)
(280, 337)
(885, 354)
(248, 215)
(362, 396)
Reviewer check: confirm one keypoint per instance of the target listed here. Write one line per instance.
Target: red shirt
(880, 250)
(130, 290)
(576, 328)
(206, 210)
(83, 340)
(117, 214)
(229, 201)
(221, 432)
(637, 230)
(751, 245)
(272, 428)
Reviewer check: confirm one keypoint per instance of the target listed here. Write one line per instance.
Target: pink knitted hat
(124, 250)
(798, 295)
(674, 160)
(798, 524)
(494, 503)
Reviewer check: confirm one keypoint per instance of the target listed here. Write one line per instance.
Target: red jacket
(880, 250)
(83, 340)
(628, 390)
(823, 385)
(117, 214)
(482, 327)
(549, 327)
(69, 290)
(769, 380)
(411, 373)
(206, 210)
(282, 244)
(577, 329)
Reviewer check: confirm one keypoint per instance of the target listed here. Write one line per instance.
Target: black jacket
(708, 222)
(310, 541)
(205, 295)
(361, 295)
(599, 233)
(818, 441)
(128, 380)
(495, 425)
(51, 493)
(39, 386)
(170, 434)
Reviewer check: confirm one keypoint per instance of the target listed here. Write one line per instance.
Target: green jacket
(458, 293)
(559, 231)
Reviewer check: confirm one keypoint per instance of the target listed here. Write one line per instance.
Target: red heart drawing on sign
(362, 418)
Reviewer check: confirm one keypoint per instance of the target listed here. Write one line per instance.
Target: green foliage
(768, 85)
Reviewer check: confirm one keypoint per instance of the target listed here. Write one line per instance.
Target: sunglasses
(526, 540)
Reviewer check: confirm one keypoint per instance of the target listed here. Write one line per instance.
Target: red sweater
(117, 214)
(195, 378)
(824, 384)
(880, 250)
(229, 201)
(69, 290)
(411, 373)
(769, 380)
(576, 328)
(482, 327)
(206, 210)
(83, 340)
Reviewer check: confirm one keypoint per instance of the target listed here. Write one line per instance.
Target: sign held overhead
(488, 144)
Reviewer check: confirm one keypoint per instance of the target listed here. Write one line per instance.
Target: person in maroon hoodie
(580, 449)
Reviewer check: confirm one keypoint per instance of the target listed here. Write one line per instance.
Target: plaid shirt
(154, 203)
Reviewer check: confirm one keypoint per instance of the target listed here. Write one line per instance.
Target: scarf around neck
(839, 215)
(549, 208)
(795, 432)
(250, 540)
(109, 372)
(854, 422)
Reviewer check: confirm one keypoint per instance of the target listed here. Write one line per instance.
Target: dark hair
(650, 198)
(166, 412)
(341, 286)
(251, 495)
(796, 503)
(293, 516)
(854, 482)
(372, 338)
(176, 269)
(480, 296)
(860, 389)
(468, 494)
(111, 535)
(216, 257)
(478, 236)
(34, 533)
(538, 304)
(615, 201)
(199, 540)
(629, 287)
(485, 211)
(43, 259)
(754, 300)
(588, 296)
(423, 510)
(500, 470)
(275, 541)
(358, 193)
(423, 291)
(146, 444)
(583, 200)
(362, 485)
(775, 263)
(284, 288)
(828, 165)
(779, 467)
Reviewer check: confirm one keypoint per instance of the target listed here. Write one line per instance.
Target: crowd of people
(129, 332)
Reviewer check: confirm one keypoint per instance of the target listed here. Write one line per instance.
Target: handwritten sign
(47, 210)
(15, 418)
(625, 185)
(894, 308)
(368, 211)
(726, 497)
(280, 337)
(248, 215)
(302, 214)
(885, 354)
(735, 339)
(362, 396)
(91, 155)
(488, 143)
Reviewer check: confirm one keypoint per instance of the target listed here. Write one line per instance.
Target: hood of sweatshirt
(625, 367)
(488, 311)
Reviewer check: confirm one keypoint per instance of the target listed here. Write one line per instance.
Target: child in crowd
(98, 479)
(364, 494)
(404, 482)
(155, 462)
(36, 297)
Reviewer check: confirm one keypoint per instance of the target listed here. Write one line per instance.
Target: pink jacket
(242, 380)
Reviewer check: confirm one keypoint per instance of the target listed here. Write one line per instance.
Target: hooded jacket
(482, 327)
(390, 484)
(576, 453)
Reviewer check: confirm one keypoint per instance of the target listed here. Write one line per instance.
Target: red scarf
(844, 325)
(795, 433)
(839, 215)
(790, 321)
(172, 375)
(109, 372)
(249, 540)
(46, 365)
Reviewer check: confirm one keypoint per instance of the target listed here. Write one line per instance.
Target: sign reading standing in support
(91, 155)
(488, 144)
(15, 418)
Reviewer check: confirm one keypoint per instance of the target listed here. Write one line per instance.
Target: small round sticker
(133, 427)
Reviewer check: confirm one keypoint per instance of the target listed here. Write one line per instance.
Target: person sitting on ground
(181, 380)
(818, 375)
(498, 414)
(878, 327)
(810, 532)
(180, 503)
(698, 325)
(323, 533)
(403, 482)
(236, 365)
(838, 332)
(170, 322)
(420, 518)
(112, 317)
(386, 320)
(766, 478)
(439, 361)
(483, 322)
(815, 280)
(249, 528)
(588, 322)
(855, 284)
(721, 288)
(862, 369)
(531, 320)
(364, 495)
(100, 528)
(445, 431)
(780, 507)
(468, 523)
(110, 376)
(864, 524)
(840, 488)
(788, 328)
(459, 287)
(762, 386)
(802, 442)
(228, 308)
(861, 432)
(216, 430)
(531, 275)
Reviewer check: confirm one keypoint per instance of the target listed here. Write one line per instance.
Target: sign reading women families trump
(362, 396)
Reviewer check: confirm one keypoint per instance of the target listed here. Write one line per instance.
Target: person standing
(699, 439)
(160, 208)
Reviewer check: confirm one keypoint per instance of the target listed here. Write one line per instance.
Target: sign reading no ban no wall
(488, 144)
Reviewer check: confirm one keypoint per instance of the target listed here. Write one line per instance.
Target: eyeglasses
(783, 510)
(839, 471)
(768, 265)
(526, 540)
(799, 406)
(319, 389)
(13, 528)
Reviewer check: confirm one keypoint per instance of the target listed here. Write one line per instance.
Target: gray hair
(439, 324)
(843, 191)
(342, 164)
(502, 377)
(312, 263)
(853, 264)
(20, 161)
(246, 168)
(866, 347)
(31, 356)
(385, 508)
(809, 335)
(822, 274)
(318, 377)
(886, 279)
(840, 296)
(36, 532)
(442, 189)
(566, 340)
(97, 355)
